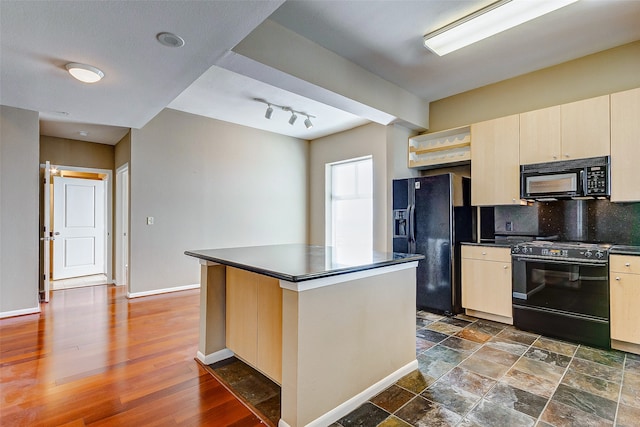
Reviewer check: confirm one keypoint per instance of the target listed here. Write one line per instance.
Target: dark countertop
(624, 250)
(490, 244)
(297, 262)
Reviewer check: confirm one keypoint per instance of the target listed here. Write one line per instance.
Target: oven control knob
(516, 249)
(588, 254)
(599, 254)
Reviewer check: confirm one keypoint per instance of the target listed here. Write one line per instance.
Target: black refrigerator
(432, 215)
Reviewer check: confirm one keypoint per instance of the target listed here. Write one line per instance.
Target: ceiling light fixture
(486, 22)
(85, 73)
(294, 113)
(293, 118)
(170, 39)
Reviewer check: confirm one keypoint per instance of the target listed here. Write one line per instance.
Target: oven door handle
(597, 263)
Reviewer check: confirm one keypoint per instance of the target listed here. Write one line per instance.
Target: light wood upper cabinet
(486, 280)
(625, 298)
(540, 133)
(586, 128)
(625, 146)
(495, 169)
(572, 131)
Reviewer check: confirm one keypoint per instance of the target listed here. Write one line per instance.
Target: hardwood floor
(93, 357)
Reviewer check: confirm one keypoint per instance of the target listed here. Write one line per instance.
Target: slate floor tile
(540, 369)
(467, 380)
(612, 358)
(489, 414)
(431, 370)
(428, 315)
(421, 323)
(451, 397)
(456, 322)
(518, 336)
(503, 344)
(429, 335)
(547, 356)
(561, 415)
(598, 386)
(473, 335)
(393, 398)
(422, 412)
(415, 381)
(556, 346)
(484, 367)
(497, 356)
(366, 415)
(528, 382)
(445, 354)
(393, 421)
(587, 402)
(422, 345)
(628, 416)
(443, 327)
(491, 325)
(459, 344)
(519, 400)
(632, 364)
(631, 389)
(596, 370)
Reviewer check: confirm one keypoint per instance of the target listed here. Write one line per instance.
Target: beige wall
(368, 140)
(209, 184)
(71, 152)
(122, 151)
(19, 238)
(602, 73)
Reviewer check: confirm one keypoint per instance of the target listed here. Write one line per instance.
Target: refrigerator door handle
(412, 228)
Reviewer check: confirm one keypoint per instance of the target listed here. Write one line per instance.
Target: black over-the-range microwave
(582, 178)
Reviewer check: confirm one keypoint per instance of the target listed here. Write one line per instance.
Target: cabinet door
(486, 286)
(585, 128)
(495, 167)
(241, 313)
(540, 136)
(625, 146)
(270, 327)
(625, 316)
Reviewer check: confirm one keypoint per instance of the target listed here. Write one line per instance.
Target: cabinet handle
(627, 264)
(566, 155)
(555, 157)
(618, 278)
(505, 267)
(484, 253)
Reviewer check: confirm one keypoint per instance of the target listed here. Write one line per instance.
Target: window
(350, 204)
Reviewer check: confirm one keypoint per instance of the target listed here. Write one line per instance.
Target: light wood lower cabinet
(486, 282)
(624, 300)
(254, 320)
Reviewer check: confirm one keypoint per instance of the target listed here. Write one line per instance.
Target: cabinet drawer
(487, 253)
(624, 264)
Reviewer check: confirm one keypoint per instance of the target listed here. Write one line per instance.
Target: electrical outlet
(149, 220)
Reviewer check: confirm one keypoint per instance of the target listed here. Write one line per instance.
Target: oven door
(567, 300)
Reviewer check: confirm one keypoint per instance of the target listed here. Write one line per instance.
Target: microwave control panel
(597, 180)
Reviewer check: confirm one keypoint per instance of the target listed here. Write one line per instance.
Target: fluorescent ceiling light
(84, 73)
(493, 19)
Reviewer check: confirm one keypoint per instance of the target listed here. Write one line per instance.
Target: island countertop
(299, 262)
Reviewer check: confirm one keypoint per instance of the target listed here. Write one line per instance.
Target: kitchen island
(332, 326)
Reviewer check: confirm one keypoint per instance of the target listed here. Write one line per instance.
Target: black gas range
(561, 289)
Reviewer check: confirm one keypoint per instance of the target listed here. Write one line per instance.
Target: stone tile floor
(479, 373)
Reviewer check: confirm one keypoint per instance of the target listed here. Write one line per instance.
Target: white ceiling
(382, 37)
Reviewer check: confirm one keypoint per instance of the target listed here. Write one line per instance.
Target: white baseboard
(20, 312)
(208, 359)
(162, 291)
(343, 409)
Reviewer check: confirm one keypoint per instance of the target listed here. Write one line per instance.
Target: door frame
(108, 194)
(122, 225)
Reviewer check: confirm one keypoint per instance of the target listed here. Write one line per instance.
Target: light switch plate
(149, 220)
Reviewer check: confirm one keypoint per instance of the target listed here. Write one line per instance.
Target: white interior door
(78, 227)
(122, 225)
(46, 230)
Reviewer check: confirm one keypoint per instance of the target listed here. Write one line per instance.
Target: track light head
(269, 112)
(307, 123)
(293, 118)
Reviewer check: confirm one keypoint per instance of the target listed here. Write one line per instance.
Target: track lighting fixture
(294, 113)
